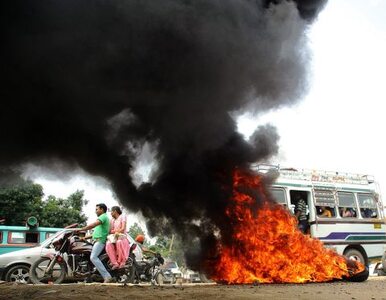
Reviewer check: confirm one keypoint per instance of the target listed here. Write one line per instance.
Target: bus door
(295, 196)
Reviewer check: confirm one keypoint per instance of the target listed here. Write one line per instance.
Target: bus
(14, 238)
(354, 224)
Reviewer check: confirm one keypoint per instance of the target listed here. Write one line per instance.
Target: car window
(47, 242)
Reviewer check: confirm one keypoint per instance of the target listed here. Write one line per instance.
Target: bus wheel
(355, 254)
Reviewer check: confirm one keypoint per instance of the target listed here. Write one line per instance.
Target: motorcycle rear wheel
(37, 272)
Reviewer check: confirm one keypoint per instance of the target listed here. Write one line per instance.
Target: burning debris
(267, 247)
(90, 83)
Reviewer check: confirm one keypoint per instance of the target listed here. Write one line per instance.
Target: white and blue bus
(354, 224)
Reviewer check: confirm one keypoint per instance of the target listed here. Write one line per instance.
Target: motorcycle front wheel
(38, 273)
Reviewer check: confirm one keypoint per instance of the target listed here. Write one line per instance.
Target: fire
(267, 247)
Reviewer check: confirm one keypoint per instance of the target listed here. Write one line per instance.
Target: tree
(135, 230)
(23, 199)
(58, 212)
(19, 202)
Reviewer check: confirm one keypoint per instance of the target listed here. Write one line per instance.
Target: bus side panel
(340, 235)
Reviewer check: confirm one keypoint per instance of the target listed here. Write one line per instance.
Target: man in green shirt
(102, 227)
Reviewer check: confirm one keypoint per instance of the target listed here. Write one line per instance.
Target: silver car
(14, 266)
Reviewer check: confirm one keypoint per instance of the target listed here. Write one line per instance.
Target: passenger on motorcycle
(140, 239)
(101, 231)
(117, 245)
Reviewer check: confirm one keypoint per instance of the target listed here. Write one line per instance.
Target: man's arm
(90, 226)
(87, 227)
(147, 250)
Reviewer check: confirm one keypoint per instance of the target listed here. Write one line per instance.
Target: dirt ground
(373, 288)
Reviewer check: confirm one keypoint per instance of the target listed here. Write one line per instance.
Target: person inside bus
(325, 212)
(368, 213)
(347, 212)
(301, 213)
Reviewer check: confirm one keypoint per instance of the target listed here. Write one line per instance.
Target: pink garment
(117, 223)
(118, 252)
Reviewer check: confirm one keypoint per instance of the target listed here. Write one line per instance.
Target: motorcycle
(72, 259)
(148, 270)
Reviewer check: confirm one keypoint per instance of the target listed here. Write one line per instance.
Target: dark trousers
(303, 226)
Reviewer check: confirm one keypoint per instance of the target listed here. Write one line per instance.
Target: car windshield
(47, 242)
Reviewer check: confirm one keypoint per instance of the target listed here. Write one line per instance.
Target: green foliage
(135, 230)
(168, 247)
(25, 199)
(19, 202)
(58, 212)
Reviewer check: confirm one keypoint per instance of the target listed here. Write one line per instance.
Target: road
(373, 288)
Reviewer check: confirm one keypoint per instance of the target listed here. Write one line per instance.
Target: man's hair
(117, 209)
(102, 206)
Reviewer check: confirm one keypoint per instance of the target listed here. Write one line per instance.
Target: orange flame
(267, 247)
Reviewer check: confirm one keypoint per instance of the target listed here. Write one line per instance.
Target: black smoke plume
(89, 83)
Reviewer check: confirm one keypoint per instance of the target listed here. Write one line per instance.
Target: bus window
(325, 211)
(16, 238)
(1, 237)
(347, 207)
(367, 206)
(324, 203)
(31, 238)
(278, 195)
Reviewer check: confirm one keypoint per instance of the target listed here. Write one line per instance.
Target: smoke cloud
(89, 83)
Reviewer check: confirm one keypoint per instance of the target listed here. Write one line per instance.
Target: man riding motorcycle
(101, 231)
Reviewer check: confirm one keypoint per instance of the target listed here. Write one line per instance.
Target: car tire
(19, 274)
(355, 255)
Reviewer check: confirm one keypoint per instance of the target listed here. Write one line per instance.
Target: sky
(336, 127)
